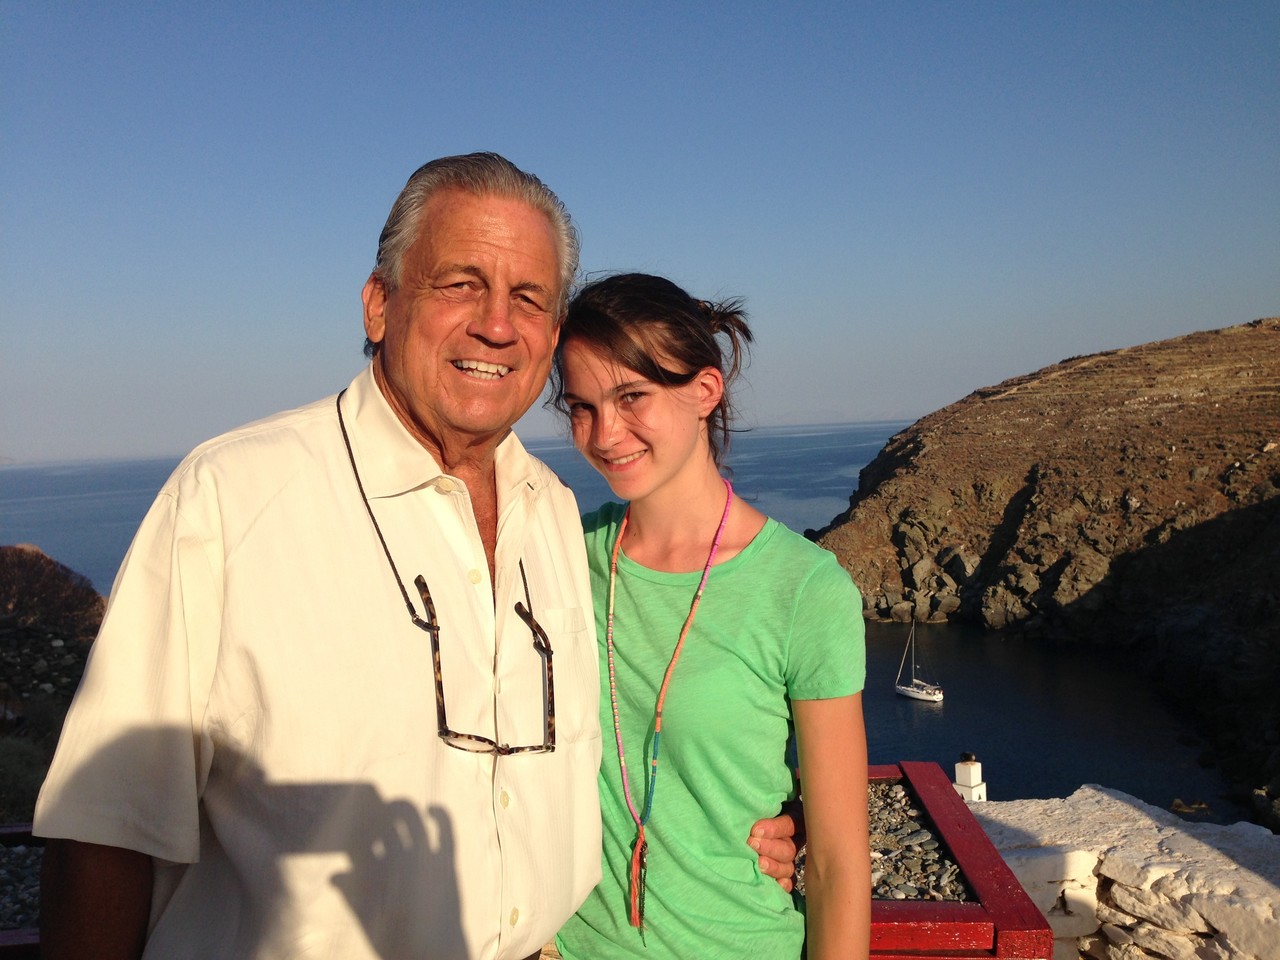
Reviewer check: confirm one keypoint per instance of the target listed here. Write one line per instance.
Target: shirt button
(445, 485)
(515, 915)
(504, 798)
(474, 576)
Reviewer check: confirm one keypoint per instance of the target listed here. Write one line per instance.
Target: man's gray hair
(481, 174)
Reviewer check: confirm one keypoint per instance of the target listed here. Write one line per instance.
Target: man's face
(466, 338)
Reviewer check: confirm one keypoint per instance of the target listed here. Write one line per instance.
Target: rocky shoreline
(1126, 501)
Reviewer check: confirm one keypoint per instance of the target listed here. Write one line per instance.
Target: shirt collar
(392, 461)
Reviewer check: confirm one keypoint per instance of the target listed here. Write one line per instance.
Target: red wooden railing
(1002, 923)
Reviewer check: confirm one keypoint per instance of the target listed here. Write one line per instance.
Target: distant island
(1128, 501)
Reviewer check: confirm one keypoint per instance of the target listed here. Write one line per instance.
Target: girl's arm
(833, 780)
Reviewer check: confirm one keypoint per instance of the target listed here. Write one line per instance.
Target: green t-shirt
(779, 621)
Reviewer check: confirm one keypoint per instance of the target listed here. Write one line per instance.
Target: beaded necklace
(640, 851)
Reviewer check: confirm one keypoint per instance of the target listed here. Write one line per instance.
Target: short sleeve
(128, 768)
(826, 655)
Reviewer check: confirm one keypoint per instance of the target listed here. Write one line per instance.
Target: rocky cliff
(1128, 499)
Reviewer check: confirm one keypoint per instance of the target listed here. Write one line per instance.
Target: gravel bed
(19, 886)
(907, 861)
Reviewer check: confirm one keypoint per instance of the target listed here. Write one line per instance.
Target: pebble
(910, 863)
(19, 887)
(34, 661)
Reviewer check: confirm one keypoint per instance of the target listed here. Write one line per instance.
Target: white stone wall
(1119, 879)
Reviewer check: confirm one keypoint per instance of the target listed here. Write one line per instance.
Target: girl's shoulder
(798, 549)
(795, 563)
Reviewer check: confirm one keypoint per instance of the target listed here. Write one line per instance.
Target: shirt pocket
(576, 666)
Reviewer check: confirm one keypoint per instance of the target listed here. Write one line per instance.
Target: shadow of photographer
(283, 868)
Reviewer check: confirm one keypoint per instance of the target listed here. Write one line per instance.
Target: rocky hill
(1129, 500)
(49, 615)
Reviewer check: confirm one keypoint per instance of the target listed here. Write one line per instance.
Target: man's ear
(374, 297)
(710, 390)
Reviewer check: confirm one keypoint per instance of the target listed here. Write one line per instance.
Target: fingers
(779, 870)
(781, 826)
(782, 849)
(773, 840)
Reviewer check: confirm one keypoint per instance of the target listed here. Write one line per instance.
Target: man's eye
(460, 290)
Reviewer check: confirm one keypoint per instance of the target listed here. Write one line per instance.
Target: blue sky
(916, 199)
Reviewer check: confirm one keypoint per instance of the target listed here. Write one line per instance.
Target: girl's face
(641, 437)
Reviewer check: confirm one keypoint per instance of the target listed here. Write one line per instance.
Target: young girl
(722, 633)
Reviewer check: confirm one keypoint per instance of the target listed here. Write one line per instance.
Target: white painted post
(969, 783)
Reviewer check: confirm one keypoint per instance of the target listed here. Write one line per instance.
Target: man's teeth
(482, 370)
(619, 461)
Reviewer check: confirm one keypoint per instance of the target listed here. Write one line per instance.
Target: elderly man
(344, 702)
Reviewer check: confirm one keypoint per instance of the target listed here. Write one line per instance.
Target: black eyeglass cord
(346, 440)
(368, 509)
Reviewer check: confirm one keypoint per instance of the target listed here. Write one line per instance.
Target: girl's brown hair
(654, 327)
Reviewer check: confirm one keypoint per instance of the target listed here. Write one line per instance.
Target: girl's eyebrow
(629, 386)
(613, 391)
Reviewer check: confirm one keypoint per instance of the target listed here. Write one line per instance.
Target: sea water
(1042, 720)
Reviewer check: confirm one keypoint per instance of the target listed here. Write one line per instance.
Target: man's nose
(492, 322)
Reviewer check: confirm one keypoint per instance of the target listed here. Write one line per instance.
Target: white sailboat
(915, 688)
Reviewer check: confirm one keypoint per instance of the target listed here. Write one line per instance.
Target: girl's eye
(632, 397)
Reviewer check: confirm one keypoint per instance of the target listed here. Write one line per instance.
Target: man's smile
(481, 370)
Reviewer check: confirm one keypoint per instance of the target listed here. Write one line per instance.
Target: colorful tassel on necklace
(639, 866)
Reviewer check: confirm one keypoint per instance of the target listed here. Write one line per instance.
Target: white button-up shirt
(259, 713)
